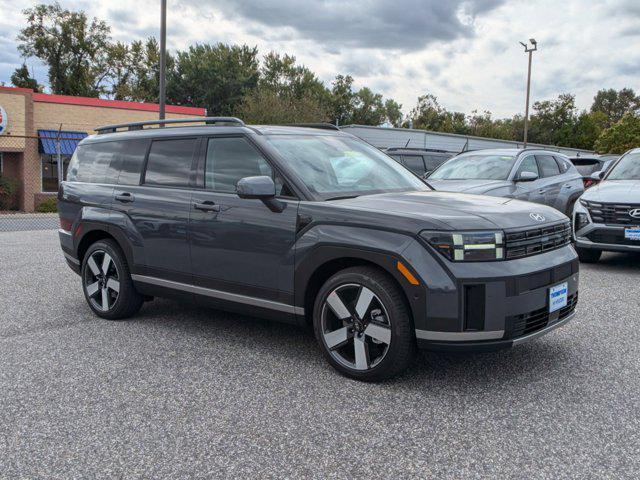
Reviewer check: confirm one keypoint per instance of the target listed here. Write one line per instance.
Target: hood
(614, 191)
(468, 186)
(456, 211)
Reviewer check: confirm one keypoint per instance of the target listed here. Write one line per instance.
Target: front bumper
(491, 305)
(598, 236)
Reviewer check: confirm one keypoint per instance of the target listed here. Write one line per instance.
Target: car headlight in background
(467, 246)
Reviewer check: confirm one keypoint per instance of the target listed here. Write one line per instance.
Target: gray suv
(607, 218)
(313, 227)
(534, 175)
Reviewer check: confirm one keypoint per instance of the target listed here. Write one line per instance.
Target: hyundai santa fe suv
(310, 226)
(535, 175)
(607, 217)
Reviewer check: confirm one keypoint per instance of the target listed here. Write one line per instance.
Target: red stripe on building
(99, 102)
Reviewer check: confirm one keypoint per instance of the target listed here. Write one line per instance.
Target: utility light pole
(529, 50)
(163, 57)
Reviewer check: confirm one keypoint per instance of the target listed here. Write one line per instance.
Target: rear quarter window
(108, 162)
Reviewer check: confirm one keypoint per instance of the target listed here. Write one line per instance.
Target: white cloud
(464, 52)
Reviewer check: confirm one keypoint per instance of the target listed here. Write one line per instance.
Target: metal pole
(526, 108)
(163, 54)
(59, 156)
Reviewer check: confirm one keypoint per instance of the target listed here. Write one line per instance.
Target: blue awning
(68, 141)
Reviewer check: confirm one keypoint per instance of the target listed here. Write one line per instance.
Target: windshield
(628, 168)
(475, 167)
(336, 166)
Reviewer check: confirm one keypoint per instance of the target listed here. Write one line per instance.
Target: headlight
(467, 246)
(581, 221)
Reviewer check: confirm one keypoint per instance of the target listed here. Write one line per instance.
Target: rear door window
(170, 162)
(131, 158)
(414, 163)
(547, 165)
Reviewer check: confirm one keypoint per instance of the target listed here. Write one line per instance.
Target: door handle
(124, 197)
(207, 206)
(542, 190)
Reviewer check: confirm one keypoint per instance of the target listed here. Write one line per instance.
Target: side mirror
(597, 176)
(260, 188)
(527, 177)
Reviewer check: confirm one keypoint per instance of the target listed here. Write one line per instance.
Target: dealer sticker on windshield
(558, 297)
(632, 233)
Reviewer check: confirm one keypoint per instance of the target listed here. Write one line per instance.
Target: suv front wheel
(107, 283)
(363, 325)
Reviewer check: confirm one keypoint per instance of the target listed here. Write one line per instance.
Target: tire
(110, 294)
(589, 255)
(363, 325)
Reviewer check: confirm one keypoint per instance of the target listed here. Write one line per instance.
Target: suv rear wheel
(363, 324)
(107, 283)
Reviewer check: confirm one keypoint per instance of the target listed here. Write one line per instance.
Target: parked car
(586, 166)
(310, 226)
(607, 217)
(534, 175)
(421, 161)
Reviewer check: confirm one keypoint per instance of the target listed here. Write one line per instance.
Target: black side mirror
(527, 177)
(260, 188)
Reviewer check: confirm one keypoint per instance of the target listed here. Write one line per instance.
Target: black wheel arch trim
(324, 254)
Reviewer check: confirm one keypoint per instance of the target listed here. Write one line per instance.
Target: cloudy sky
(465, 52)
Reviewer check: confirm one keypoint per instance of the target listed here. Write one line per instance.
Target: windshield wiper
(343, 197)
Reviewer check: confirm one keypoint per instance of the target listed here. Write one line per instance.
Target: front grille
(532, 241)
(531, 322)
(611, 213)
(612, 237)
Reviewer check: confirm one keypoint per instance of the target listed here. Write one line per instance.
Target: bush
(50, 205)
(9, 193)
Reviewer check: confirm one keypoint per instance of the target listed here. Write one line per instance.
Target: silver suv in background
(539, 176)
(607, 218)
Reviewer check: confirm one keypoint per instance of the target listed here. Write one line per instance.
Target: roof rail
(142, 125)
(323, 126)
(419, 149)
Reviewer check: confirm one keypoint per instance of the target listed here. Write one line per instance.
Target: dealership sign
(3, 120)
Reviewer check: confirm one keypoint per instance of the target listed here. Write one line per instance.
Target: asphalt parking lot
(179, 392)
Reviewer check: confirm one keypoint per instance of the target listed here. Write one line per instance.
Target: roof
(103, 103)
(68, 141)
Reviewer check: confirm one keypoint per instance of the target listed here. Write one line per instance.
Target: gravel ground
(185, 393)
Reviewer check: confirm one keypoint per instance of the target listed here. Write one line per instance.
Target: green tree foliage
(73, 47)
(615, 104)
(135, 70)
(620, 137)
(263, 106)
(393, 112)
(22, 79)
(428, 114)
(216, 77)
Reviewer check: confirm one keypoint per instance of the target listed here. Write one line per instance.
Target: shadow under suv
(310, 226)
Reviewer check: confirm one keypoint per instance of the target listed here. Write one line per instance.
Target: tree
(264, 106)
(22, 79)
(615, 104)
(368, 108)
(621, 136)
(342, 100)
(587, 129)
(213, 76)
(553, 121)
(393, 112)
(74, 48)
(429, 115)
